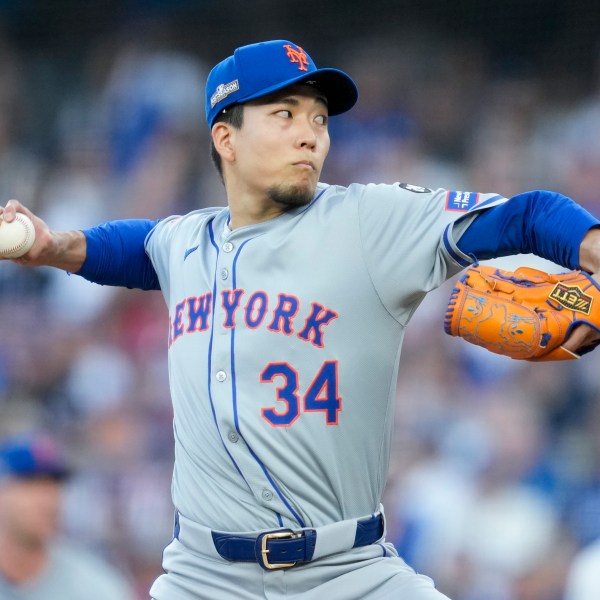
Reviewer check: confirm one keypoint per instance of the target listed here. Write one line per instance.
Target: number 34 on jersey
(321, 396)
(292, 399)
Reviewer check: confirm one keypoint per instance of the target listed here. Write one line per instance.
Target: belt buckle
(264, 551)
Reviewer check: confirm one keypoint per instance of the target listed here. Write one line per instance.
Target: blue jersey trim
(490, 200)
(210, 345)
(456, 257)
(235, 410)
(315, 200)
(232, 348)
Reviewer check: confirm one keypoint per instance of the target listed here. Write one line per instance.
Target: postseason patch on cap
(223, 90)
(461, 201)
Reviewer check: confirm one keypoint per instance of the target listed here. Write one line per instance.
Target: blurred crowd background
(495, 478)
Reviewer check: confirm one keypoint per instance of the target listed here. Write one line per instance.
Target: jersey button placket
(222, 390)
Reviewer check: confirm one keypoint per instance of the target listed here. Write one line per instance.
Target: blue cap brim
(338, 88)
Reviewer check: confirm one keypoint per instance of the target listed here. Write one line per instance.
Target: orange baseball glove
(526, 314)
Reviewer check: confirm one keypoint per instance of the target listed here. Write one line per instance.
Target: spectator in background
(34, 563)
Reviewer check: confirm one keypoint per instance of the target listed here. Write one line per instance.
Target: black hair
(234, 116)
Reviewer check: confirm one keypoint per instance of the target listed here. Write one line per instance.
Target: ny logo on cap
(297, 55)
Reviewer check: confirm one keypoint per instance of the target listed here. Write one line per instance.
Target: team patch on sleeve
(461, 201)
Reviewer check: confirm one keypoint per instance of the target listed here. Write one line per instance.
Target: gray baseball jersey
(284, 347)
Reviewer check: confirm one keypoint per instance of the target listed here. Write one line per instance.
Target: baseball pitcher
(287, 313)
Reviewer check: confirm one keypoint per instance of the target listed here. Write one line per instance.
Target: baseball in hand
(16, 237)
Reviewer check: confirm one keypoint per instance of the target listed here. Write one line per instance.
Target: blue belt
(284, 548)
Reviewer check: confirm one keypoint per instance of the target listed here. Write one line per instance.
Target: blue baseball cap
(30, 457)
(259, 69)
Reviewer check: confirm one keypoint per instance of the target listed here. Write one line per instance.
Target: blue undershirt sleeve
(116, 255)
(544, 223)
